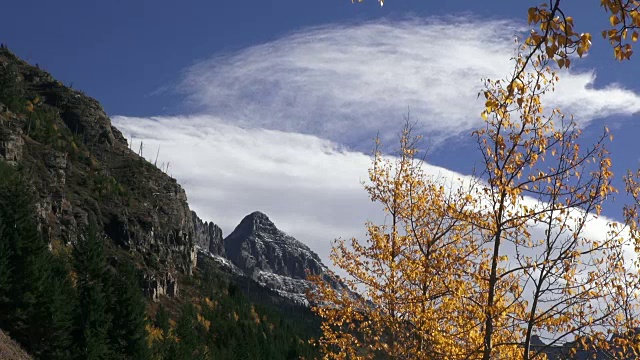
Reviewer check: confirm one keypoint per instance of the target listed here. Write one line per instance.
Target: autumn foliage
(477, 268)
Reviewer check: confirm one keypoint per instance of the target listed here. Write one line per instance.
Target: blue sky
(100, 46)
(271, 105)
(121, 51)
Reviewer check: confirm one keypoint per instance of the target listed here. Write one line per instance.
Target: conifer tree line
(74, 302)
(64, 304)
(221, 323)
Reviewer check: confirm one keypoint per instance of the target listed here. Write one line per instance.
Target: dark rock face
(82, 168)
(157, 284)
(208, 236)
(11, 143)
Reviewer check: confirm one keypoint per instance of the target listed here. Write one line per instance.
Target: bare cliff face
(208, 236)
(82, 168)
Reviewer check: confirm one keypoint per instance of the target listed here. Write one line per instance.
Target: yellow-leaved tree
(476, 269)
(480, 269)
(416, 271)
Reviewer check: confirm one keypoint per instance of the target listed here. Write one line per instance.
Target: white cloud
(347, 82)
(311, 188)
(308, 186)
(277, 112)
(276, 118)
(575, 94)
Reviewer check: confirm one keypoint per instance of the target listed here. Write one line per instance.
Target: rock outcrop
(156, 284)
(11, 143)
(10, 350)
(208, 236)
(82, 169)
(257, 244)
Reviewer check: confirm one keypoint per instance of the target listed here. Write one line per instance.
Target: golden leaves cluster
(538, 175)
(419, 274)
(473, 270)
(554, 33)
(625, 21)
(458, 269)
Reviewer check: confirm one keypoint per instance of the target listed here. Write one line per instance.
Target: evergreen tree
(189, 345)
(5, 271)
(92, 321)
(161, 347)
(61, 307)
(25, 265)
(128, 308)
(102, 314)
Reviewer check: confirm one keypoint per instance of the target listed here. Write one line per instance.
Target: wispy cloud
(576, 94)
(310, 187)
(285, 124)
(347, 82)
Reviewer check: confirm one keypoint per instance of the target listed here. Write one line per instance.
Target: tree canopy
(483, 268)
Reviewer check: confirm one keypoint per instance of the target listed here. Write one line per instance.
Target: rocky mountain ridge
(259, 250)
(257, 244)
(208, 236)
(83, 170)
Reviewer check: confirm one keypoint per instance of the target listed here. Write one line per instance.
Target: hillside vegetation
(97, 255)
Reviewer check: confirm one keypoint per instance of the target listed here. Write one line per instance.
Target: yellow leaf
(531, 15)
(613, 20)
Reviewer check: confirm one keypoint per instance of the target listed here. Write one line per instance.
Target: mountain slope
(82, 168)
(9, 350)
(82, 171)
